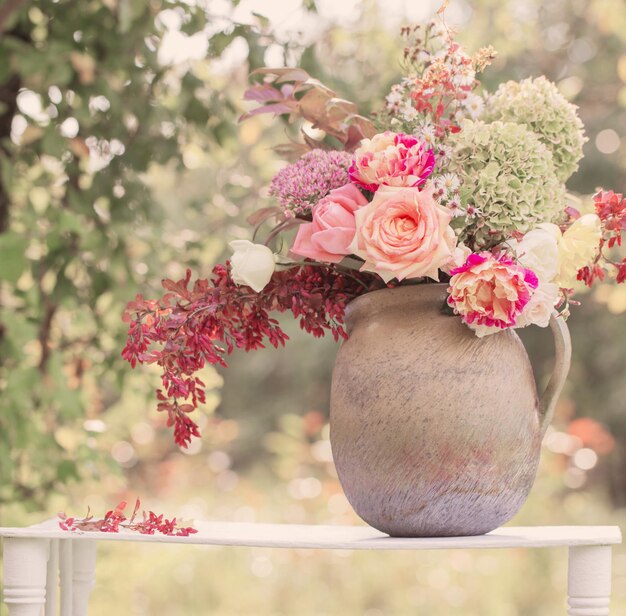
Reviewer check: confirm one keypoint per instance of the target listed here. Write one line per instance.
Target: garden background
(121, 163)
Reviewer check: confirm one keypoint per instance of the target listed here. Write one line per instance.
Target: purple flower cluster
(299, 186)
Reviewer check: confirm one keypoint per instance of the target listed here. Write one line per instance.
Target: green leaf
(67, 470)
(53, 143)
(12, 259)
(6, 463)
(196, 112)
(19, 332)
(60, 74)
(21, 381)
(63, 290)
(219, 42)
(68, 221)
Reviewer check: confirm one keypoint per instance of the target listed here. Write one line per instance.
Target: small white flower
(454, 205)
(473, 212)
(394, 97)
(465, 77)
(251, 264)
(450, 181)
(474, 105)
(459, 115)
(427, 133)
(408, 112)
(426, 124)
(440, 192)
(444, 154)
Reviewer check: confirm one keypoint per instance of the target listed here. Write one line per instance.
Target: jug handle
(562, 361)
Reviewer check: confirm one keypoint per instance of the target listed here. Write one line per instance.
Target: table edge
(504, 537)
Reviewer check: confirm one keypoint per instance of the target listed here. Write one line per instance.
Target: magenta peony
(391, 159)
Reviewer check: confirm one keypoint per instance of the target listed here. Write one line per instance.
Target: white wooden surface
(34, 555)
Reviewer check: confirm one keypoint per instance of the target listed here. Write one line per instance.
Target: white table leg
(65, 576)
(52, 577)
(84, 576)
(589, 580)
(25, 575)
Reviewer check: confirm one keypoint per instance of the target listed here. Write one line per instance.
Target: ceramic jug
(434, 431)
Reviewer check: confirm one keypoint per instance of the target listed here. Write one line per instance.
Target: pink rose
(327, 238)
(490, 293)
(391, 159)
(403, 233)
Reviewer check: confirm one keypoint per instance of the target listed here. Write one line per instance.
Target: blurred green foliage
(121, 163)
(90, 110)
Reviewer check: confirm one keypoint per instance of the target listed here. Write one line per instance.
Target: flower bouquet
(447, 193)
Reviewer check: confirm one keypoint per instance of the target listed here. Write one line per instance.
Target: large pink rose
(490, 293)
(391, 159)
(327, 238)
(403, 233)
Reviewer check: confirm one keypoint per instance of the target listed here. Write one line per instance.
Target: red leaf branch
(114, 520)
(195, 325)
(611, 209)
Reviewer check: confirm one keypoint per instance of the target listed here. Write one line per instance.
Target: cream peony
(490, 293)
(555, 256)
(251, 264)
(577, 247)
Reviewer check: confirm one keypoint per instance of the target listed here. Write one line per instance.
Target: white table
(38, 559)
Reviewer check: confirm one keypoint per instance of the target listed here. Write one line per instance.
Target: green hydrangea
(539, 105)
(508, 181)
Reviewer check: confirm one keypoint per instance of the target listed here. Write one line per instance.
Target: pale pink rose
(541, 305)
(391, 159)
(403, 233)
(490, 293)
(459, 257)
(328, 236)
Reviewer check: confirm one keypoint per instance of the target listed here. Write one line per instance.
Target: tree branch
(44, 334)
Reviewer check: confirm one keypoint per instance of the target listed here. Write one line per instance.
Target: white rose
(251, 264)
(538, 251)
(538, 310)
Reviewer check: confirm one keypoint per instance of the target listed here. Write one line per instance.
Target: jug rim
(422, 296)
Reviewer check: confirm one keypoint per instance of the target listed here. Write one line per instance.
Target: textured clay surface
(434, 432)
